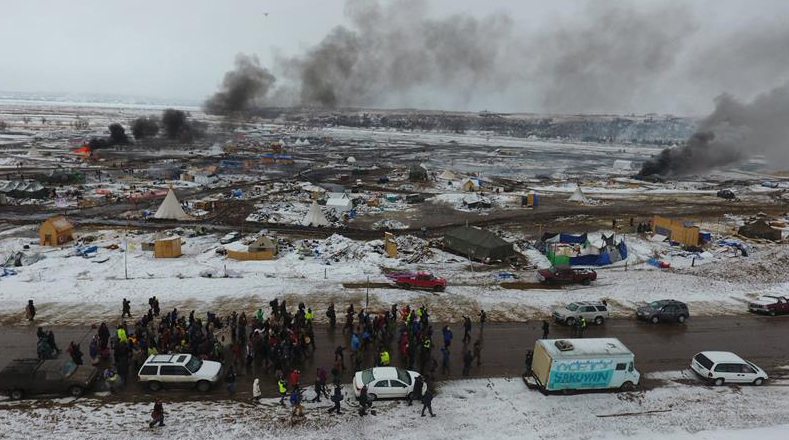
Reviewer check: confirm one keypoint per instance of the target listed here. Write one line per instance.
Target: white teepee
(315, 216)
(33, 152)
(170, 209)
(447, 175)
(578, 196)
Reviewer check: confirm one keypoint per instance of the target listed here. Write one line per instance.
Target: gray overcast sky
(181, 48)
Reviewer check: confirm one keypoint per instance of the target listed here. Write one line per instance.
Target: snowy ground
(314, 271)
(469, 409)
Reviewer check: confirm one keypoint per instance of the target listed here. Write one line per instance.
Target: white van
(583, 364)
(720, 367)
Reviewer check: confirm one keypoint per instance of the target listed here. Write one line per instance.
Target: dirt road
(657, 348)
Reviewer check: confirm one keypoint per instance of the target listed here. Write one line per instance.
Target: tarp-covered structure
(583, 250)
(20, 189)
(477, 244)
(760, 229)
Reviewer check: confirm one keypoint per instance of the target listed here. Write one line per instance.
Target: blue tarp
(567, 238)
(584, 260)
(622, 249)
(603, 259)
(7, 273)
(88, 250)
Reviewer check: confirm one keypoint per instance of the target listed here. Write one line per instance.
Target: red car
(419, 280)
(566, 275)
(770, 305)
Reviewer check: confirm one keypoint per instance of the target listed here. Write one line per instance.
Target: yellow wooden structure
(55, 232)
(390, 245)
(263, 249)
(169, 247)
(678, 231)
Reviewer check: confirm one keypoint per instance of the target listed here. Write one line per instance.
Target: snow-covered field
(467, 409)
(314, 271)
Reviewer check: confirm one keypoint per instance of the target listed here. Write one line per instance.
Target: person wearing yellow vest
(309, 316)
(121, 335)
(384, 358)
(283, 391)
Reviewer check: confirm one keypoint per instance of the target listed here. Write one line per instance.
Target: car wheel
(438, 288)
(681, 319)
(407, 286)
(411, 396)
(372, 397)
(203, 386)
(76, 391)
(772, 313)
(154, 385)
(758, 381)
(16, 394)
(599, 320)
(627, 386)
(569, 321)
(718, 382)
(586, 282)
(655, 319)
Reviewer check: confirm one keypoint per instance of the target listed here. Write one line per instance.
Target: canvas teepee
(578, 196)
(170, 209)
(315, 216)
(447, 175)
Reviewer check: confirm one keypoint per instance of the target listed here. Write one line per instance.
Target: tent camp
(315, 216)
(477, 244)
(583, 250)
(170, 209)
(760, 229)
(578, 196)
(447, 175)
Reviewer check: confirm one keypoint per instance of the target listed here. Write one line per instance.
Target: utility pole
(367, 301)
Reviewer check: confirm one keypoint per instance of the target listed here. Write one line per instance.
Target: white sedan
(386, 382)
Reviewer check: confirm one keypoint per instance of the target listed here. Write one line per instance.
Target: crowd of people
(277, 344)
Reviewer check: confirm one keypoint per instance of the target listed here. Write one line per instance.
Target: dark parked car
(566, 275)
(57, 376)
(667, 310)
(769, 305)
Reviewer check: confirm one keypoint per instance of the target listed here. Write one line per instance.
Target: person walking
(482, 318)
(447, 336)
(581, 327)
(545, 329)
(384, 358)
(157, 415)
(466, 329)
(364, 401)
(336, 398)
(126, 308)
(427, 401)
(332, 315)
(30, 310)
(529, 359)
(256, 394)
(295, 402)
(478, 351)
(282, 388)
(231, 381)
(417, 393)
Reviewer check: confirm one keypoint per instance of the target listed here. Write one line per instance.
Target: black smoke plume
(240, 87)
(118, 134)
(734, 132)
(177, 125)
(144, 127)
(117, 137)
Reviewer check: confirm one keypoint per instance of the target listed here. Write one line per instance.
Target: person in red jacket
(295, 375)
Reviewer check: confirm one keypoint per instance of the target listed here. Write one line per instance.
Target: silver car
(592, 311)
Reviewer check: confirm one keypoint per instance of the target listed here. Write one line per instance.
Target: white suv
(720, 367)
(179, 370)
(593, 311)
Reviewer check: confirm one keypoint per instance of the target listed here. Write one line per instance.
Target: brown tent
(55, 232)
(760, 229)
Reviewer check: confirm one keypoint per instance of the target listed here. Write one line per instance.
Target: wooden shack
(677, 231)
(169, 247)
(55, 232)
(262, 249)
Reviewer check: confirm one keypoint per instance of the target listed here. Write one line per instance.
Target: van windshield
(654, 305)
(704, 361)
(194, 364)
(572, 307)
